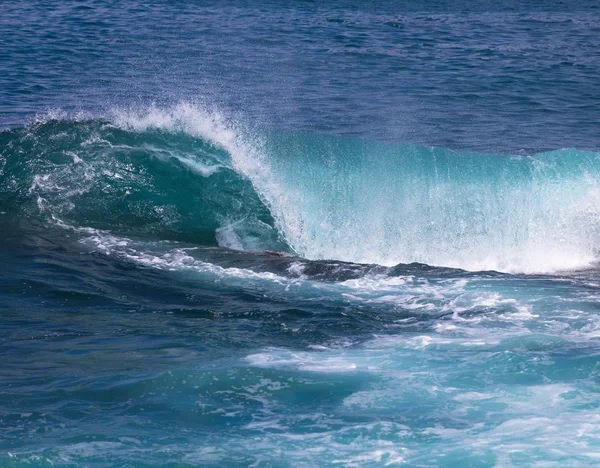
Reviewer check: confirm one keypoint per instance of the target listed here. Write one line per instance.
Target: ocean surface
(295, 233)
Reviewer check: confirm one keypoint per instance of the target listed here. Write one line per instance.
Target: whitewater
(288, 234)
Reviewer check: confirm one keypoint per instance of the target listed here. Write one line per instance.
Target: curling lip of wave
(187, 173)
(159, 185)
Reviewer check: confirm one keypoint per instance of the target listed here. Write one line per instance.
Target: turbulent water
(226, 239)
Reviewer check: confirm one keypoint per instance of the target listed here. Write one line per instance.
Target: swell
(187, 174)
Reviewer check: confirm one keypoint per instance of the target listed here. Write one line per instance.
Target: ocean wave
(188, 173)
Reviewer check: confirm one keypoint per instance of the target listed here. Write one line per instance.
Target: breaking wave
(189, 174)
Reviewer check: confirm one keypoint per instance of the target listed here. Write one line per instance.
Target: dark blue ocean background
(282, 233)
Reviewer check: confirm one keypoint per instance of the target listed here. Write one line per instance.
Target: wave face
(150, 183)
(188, 174)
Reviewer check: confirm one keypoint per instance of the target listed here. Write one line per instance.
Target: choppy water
(296, 234)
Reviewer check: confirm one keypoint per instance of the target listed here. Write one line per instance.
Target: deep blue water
(299, 234)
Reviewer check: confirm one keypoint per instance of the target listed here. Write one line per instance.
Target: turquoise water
(292, 234)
